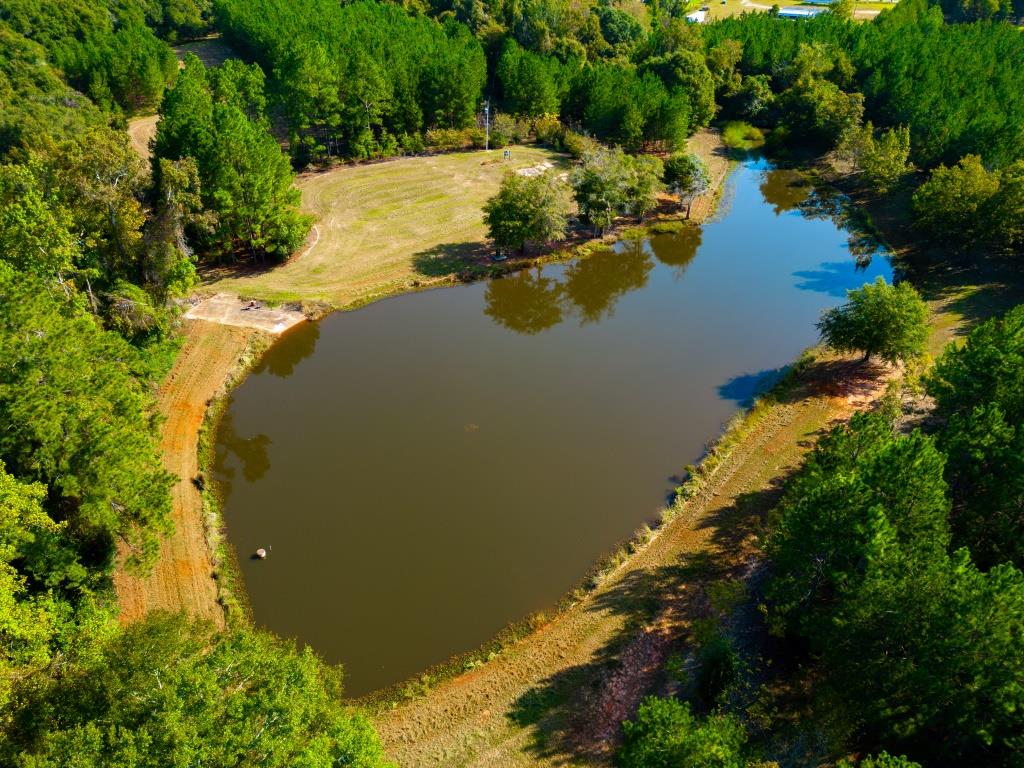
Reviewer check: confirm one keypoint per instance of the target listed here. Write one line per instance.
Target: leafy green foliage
(244, 178)
(181, 693)
(77, 418)
(364, 78)
(527, 209)
(610, 183)
(890, 321)
(956, 86)
(953, 204)
(666, 734)
(106, 49)
(36, 103)
(26, 620)
(882, 161)
(918, 649)
(531, 84)
(686, 176)
(979, 390)
(858, 490)
(881, 760)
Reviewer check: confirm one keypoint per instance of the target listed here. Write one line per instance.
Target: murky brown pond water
(431, 467)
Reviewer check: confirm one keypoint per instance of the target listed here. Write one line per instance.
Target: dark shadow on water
(529, 302)
(677, 249)
(784, 189)
(294, 346)
(252, 453)
(593, 285)
(448, 258)
(744, 388)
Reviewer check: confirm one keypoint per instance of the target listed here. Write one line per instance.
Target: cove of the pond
(431, 467)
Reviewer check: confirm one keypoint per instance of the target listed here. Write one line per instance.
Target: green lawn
(380, 227)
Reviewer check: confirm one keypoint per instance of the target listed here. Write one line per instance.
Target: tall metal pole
(487, 124)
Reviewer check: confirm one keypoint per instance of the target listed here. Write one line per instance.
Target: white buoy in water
(261, 553)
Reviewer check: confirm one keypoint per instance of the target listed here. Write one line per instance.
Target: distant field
(382, 226)
(720, 10)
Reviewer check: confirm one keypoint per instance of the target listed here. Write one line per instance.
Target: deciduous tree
(890, 321)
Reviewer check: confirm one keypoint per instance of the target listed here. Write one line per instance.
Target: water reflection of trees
(530, 302)
(788, 190)
(594, 285)
(252, 453)
(295, 346)
(784, 189)
(525, 303)
(677, 249)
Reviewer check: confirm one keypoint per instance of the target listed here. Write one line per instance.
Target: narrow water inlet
(434, 466)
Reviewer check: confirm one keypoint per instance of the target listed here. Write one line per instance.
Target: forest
(894, 557)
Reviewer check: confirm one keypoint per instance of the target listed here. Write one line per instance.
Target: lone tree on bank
(687, 177)
(890, 321)
(527, 209)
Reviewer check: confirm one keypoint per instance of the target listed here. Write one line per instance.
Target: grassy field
(386, 227)
(718, 10)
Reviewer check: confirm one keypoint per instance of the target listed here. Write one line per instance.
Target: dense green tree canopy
(244, 179)
(78, 418)
(890, 321)
(665, 734)
(527, 209)
(979, 391)
(167, 691)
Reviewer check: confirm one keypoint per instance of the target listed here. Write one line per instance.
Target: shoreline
(596, 652)
(193, 570)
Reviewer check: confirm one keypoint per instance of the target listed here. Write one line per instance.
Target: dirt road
(182, 578)
(141, 131)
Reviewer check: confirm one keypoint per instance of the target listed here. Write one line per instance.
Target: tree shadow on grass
(974, 287)
(448, 258)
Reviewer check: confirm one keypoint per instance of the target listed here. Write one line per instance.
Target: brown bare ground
(142, 130)
(182, 579)
(707, 145)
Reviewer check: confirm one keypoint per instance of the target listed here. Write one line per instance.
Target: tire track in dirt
(182, 578)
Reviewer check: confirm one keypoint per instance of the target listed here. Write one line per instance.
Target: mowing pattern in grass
(381, 227)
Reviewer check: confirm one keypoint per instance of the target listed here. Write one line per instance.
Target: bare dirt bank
(182, 578)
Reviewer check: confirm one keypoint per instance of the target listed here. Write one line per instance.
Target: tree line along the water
(94, 248)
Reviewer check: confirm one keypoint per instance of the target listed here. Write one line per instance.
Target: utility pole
(487, 124)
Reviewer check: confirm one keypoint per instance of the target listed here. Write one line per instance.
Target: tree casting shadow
(448, 258)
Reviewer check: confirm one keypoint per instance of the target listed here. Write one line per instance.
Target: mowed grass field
(382, 228)
(863, 11)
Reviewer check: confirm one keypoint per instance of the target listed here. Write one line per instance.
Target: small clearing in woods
(182, 578)
(385, 226)
(230, 310)
(141, 131)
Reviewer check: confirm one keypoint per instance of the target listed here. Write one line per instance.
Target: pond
(429, 468)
